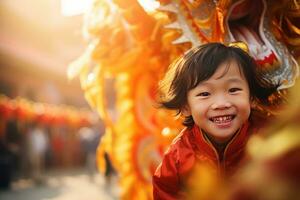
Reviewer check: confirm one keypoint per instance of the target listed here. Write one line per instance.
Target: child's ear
(186, 111)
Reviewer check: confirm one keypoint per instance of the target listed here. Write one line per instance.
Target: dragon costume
(130, 49)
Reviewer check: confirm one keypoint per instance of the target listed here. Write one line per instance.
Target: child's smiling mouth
(224, 119)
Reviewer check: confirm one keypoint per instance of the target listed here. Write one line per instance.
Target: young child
(213, 86)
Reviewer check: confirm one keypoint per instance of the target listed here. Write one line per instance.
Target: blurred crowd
(29, 147)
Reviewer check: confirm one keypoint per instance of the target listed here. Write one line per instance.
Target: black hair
(198, 65)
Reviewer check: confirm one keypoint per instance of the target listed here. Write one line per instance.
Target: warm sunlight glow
(74, 7)
(149, 5)
(166, 131)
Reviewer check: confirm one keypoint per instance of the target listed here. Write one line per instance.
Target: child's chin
(224, 135)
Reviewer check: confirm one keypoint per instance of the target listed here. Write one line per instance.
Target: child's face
(221, 104)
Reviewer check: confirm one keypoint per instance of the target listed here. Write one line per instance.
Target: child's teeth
(222, 119)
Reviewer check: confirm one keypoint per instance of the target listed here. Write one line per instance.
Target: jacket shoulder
(181, 147)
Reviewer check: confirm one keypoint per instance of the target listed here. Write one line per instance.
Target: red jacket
(190, 147)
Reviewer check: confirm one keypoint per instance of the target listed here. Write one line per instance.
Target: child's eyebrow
(204, 83)
(235, 80)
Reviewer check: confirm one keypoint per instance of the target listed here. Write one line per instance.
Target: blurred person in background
(6, 163)
(38, 143)
(9, 151)
(13, 140)
(90, 137)
(24, 168)
(57, 145)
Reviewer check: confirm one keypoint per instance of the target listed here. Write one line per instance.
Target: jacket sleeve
(165, 180)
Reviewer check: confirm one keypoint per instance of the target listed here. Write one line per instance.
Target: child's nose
(221, 104)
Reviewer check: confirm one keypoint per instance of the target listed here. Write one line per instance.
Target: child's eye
(203, 94)
(231, 90)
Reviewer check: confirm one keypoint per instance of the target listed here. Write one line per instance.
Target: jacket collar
(234, 146)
